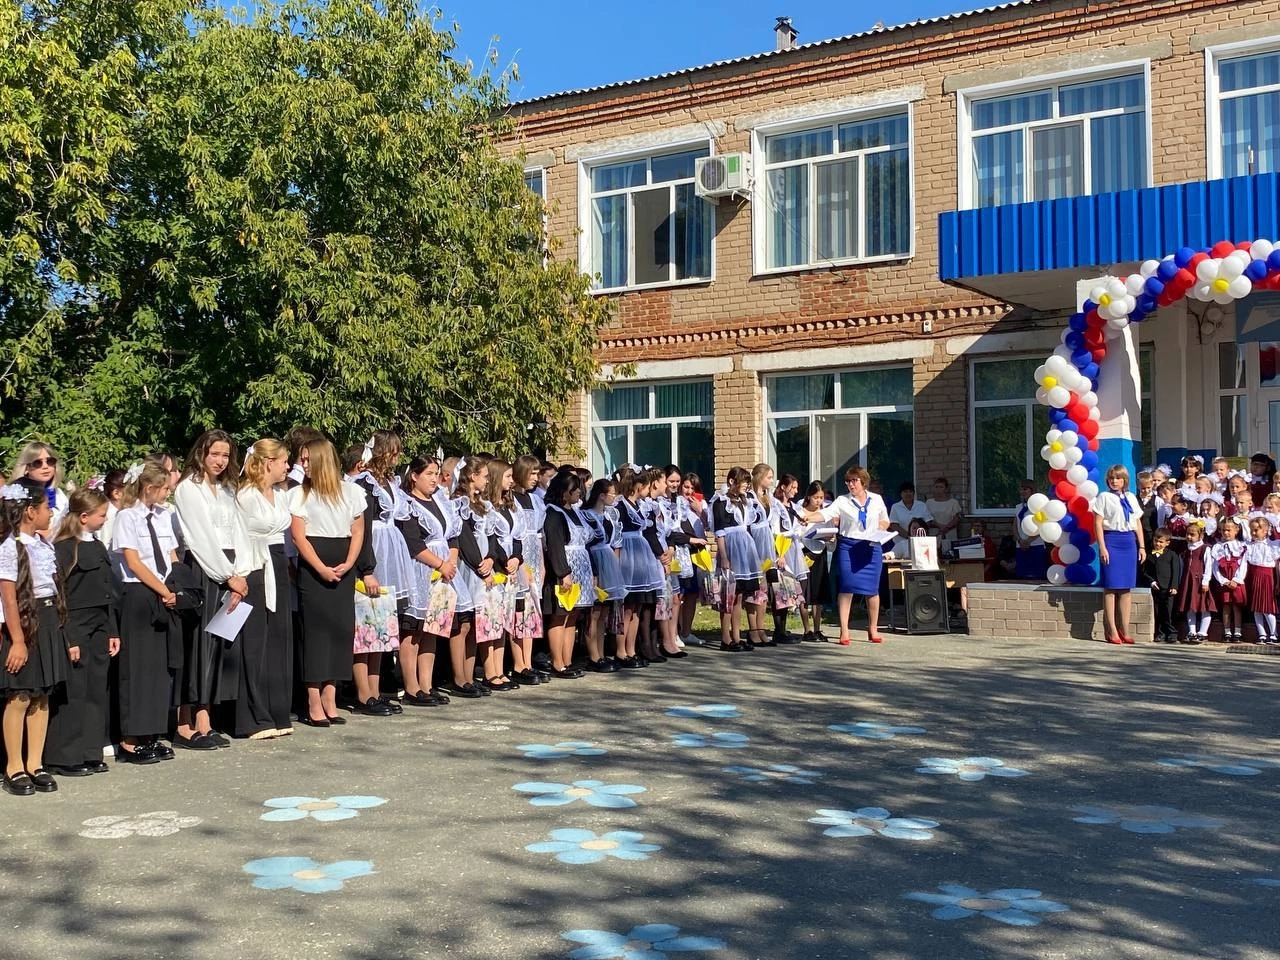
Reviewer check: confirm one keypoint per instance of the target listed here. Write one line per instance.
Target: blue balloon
(1088, 307)
(1273, 261)
(1256, 270)
(1183, 256)
(1087, 554)
(1077, 323)
(1154, 286)
(1167, 270)
(1080, 539)
(1091, 373)
(1147, 303)
(1095, 474)
(1080, 573)
(1068, 523)
(1081, 357)
(1074, 339)
(1065, 424)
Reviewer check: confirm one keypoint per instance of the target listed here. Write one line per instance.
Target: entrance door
(838, 447)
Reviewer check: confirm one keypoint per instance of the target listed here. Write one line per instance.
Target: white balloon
(1088, 489)
(1235, 263)
(1037, 502)
(1240, 287)
(1068, 553)
(1089, 398)
(1064, 354)
(1058, 461)
(1059, 397)
(1074, 455)
(1149, 268)
(1053, 435)
(1134, 283)
(1040, 373)
(1057, 364)
(1046, 452)
(1071, 379)
(1201, 291)
(1051, 531)
(1095, 414)
(1029, 526)
(1055, 510)
(1097, 293)
(1115, 327)
(1042, 396)
(1069, 438)
(1057, 574)
(1207, 270)
(1077, 474)
(1261, 249)
(1222, 298)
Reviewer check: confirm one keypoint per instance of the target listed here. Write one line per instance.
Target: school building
(858, 250)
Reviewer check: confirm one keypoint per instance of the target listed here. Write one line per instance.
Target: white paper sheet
(228, 624)
(875, 536)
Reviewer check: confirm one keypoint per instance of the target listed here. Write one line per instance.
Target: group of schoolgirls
(769, 558)
(1215, 548)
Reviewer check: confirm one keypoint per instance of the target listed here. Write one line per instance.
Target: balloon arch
(1068, 382)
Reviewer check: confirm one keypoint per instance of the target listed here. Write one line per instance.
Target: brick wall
(739, 427)
(1049, 613)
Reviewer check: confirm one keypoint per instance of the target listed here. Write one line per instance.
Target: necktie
(862, 512)
(162, 565)
(1124, 505)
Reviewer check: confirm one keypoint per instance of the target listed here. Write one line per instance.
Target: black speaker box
(926, 601)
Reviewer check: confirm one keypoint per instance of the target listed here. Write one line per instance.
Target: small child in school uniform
(1195, 600)
(78, 721)
(1260, 579)
(1163, 567)
(1230, 567)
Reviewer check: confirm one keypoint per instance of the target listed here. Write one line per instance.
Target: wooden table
(958, 574)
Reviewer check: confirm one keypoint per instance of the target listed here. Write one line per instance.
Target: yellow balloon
(1220, 285)
(1039, 516)
(1104, 300)
(1056, 446)
(1049, 383)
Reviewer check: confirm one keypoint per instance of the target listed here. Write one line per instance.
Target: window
(646, 227)
(1008, 431)
(1147, 372)
(1066, 140)
(1248, 114)
(820, 424)
(654, 424)
(1233, 400)
(838, 192)
(534, 180)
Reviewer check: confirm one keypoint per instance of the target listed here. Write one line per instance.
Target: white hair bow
(15, 492)
(252, 449)
(134, 473)
(367, 454)
(457, 470)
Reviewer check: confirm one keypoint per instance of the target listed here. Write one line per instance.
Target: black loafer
(393, 703)
(468, 691)
(217, 739)
(603, 666)
(19, 784)
(43, 781)
(161, 749)
(528, 677)
(502, 686)
(306, 721)
(336, 721)
(96, 766)
(142, 754)
(72, 770)
(199, 742)
(372, 708)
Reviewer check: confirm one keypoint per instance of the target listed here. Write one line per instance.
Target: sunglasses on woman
(45, 462)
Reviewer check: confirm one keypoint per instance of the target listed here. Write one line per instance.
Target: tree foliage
(207, 220)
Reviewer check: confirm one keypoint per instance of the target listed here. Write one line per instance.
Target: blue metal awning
(1080, 235)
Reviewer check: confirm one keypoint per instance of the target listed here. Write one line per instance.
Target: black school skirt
(47, 662)
(328, 615)
(143, 665)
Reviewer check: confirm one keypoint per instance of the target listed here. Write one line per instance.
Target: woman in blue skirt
(1117, 524)
(857, 562)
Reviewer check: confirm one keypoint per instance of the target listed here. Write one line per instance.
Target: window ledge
(828, 266)
(613, 291)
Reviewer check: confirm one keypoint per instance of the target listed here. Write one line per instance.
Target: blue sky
(575, 43)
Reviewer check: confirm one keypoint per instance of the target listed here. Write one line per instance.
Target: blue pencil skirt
(856, 567)
(1122, 572)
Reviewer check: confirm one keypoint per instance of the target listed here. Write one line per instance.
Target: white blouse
(850, 516)
(131, 533)
(325, 519)
(41, 561)
(265, 524)
(1107, 506)
(211, 524)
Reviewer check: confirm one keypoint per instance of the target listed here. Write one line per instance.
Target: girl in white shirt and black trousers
(218, 549)
(1117, 524)
(328, 531)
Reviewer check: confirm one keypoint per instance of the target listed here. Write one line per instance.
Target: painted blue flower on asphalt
(777, 773)
(873, 820)
(304, 874)
(326, 810)
(874, 730)
(1018, 908)
(652, 941)
(1265, 881)
(585, 846)
(706, 711)
(969, 768)
(558, 751)
(595, 793)
(723, 741)
(1143, 819)
(1231, 766)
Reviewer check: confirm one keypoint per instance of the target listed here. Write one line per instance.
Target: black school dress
(78, 720)
(47, 664)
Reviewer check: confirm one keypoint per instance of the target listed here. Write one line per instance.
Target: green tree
(306, 219)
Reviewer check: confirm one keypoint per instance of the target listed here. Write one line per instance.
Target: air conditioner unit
(727, 175)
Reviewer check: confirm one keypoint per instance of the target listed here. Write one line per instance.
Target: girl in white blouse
(328, 531)
(205, 501)
(265, 701)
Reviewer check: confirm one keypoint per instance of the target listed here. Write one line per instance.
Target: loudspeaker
(926, 601)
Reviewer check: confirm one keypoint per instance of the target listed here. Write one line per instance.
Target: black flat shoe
(96, 766)
(501, 685)
(161, 749)
(568, 673)
(306, 721)
(373, 708)
(142, 754)
(72, 770)
(199, 742)
(630, 663)
(19, 784)
(603, 666)
(424, 699)
(678, 655)
(529, 677)
(393, 703)
(468, 692)
(43, 781)
(335, 721)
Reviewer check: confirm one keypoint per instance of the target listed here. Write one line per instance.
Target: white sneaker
(679, 644)
(694, 641)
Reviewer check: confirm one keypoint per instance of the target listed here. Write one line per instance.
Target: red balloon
(1167, 296)
(1053, 556)
(1057, 476)
(1222, 248)
(1099, 354)
(1244, 244)
(1078, 505)
(1077, 411)
(1185, 279)
(1089, 429)
(1094, 445)
(1065, 489)
(1196, 261)
(1094, 320)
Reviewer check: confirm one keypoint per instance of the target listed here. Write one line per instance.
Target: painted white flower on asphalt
(158, 823)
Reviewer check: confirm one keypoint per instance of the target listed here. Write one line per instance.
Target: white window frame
(585, 223)
(651, 418)
(766, 389)
(964, 129)
(1213, 95)
(1033, 446)
(542, 177)
(760, 192)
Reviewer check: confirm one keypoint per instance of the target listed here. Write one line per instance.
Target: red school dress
(1177, 527)
(1191, 599)
(1260, 578)
(1228, 559)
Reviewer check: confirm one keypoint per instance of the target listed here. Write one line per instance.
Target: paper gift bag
(924, 553)
(377, 623)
